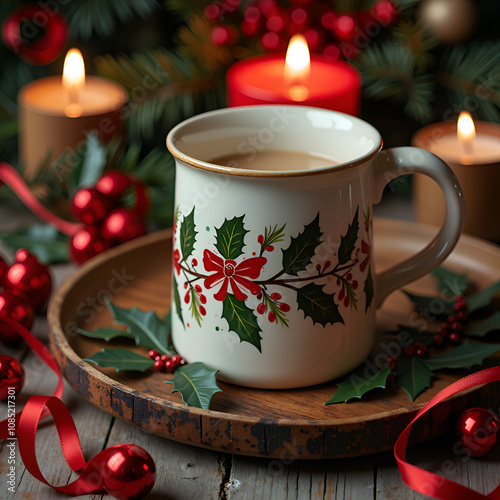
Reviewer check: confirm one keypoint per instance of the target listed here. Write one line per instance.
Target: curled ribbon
(11, 177)
(427, 482)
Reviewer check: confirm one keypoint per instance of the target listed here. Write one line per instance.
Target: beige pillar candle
(55, 113)
(474, 157)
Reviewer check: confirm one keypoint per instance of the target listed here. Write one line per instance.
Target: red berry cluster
(260, 240)
(453, 326)
(342, 295)
(202, 299)
(273, 22)
(165, 363)
(107, 222)
(275, 297)
(25, 286)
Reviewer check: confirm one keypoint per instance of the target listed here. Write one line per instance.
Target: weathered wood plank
(183, 472)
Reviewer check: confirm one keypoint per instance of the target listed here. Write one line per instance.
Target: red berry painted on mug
(187, 297)
(194, 263)
(275, 296)
(284, 307)
(261, 308)
(260, 239)
(354, 285)
(341, 294)
(269, 248)
(203, 299)
(327, 264)
(203, 311)
(346, 301)
(271, 316)
(198, 288)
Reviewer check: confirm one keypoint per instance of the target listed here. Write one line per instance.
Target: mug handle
(392, 163)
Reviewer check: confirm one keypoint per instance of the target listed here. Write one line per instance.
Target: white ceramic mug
(273, 276)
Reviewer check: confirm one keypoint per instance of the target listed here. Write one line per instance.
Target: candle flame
(466, 132)
(73, 81)
(297, 68)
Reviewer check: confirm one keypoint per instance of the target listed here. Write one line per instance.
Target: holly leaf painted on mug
(177, 301)
(464, 356)
(348, 241)
(482, 328)
(318, 305)
(230, 238)
(196, 384)
(413, 375)
(121, 359)
(358, 383)
(449, 282)
(241, 320)
(302, 248)
(187, 235)
(368, 289)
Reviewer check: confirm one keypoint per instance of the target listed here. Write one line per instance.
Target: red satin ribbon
(11, 177)
(427, 482)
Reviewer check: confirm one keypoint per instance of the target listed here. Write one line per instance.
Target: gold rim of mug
(213, 167)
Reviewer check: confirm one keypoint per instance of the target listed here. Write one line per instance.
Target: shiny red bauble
(90, 206)
(123, 224)
(477, 430)
(18, 308)
(11, 377)
(29, 277)
(36, 32)
(128, 472)
(86, 243)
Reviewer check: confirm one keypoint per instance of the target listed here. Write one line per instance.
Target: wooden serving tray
(285, 424)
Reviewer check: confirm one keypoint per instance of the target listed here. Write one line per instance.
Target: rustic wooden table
(185, 472)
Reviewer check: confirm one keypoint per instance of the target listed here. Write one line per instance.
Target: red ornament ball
(36, 33)
(90, 206)
(477, 430)
(128, 472)
(29, 277)
(123, 224)
(11, 377)
(18, 308)
(86, 243)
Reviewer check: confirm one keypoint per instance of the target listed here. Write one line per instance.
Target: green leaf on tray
(241, 320)
(483, 298)
(121, 359)
(348, 241)
(464, 356)
(412, 335)
(449, 282)
(45, 241)
(413, 375)
(230, 237)
(359, 383)
(104, 333)
(482, 328)
(302, 248)
(196, 384)
(318, 305)
(187, 235)
(144, 327)
(434, 306)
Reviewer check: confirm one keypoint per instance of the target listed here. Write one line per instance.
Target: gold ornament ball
(450, 21)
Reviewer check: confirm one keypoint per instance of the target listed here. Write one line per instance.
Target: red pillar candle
(264, 79)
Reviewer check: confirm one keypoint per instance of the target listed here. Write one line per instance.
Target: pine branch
(89, 17)
(473, 72)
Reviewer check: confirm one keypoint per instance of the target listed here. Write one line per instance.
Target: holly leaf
(177, 300)
(46, 242)
(318, 305)
(241, 321)
(196, 384)
(302, 248)
(413, 335)
(230, 237)
(483, 298)
(484, 327)
(449, 282)
(413, 375)
(121, 359)
(359, 383)
(144, 327)
(104, 333)
(348, 241)
(464, 356)
(433, 306)
(187, 235)
(368, 289)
